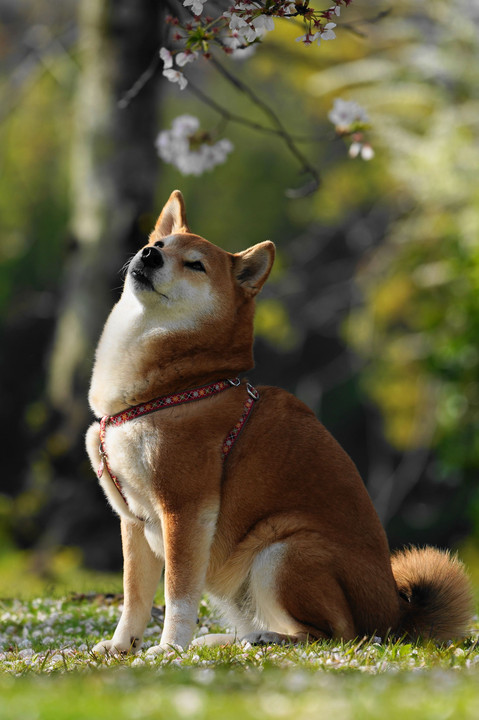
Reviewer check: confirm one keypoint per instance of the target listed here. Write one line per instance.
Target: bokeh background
(371, 315)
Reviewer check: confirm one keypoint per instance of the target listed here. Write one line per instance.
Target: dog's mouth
(143, 282)
(142, 279)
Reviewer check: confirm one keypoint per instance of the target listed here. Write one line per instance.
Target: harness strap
(170, 401)
(232, 436)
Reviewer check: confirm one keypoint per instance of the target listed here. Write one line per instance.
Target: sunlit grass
(49, 669)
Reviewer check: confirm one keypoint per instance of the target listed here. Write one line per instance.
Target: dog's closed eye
(195, 265)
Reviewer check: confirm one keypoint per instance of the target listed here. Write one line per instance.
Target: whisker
(123, 270)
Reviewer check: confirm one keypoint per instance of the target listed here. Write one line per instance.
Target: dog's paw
(162, 649)
(267, 638)
(214, 639)
(111, 647)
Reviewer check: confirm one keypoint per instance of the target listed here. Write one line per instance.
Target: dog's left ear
(173, 216)
(252, 266)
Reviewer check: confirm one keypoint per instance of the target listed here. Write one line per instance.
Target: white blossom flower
(196, 6)
(245, 27)
(190, 156)
(185, 57)
(263, 23)
(246, 34)
(336, 10)
(307, 39)
(238, 50)
(246, 24)
(167, 58)
(241, 7)
(196, 162)
(184, 125)
(345, 113)
(176, 76)
(327, 32)
(236, 22)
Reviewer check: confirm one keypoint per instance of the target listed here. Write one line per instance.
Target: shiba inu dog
(236, 490)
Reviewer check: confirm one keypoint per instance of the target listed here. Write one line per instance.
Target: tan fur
(283, 534)
(435, 591)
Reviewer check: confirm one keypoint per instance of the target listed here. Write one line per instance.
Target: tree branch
(239, 119)
(352, 26)
(314, 183)
(139, 84)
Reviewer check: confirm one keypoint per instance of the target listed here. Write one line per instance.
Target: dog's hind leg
(295, 597)
(254, 610)
(214, 639)
(289, 596)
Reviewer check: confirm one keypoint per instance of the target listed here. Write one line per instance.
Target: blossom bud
(354, 149)
(367, 153)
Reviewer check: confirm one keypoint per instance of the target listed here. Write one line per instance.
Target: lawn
(49, 670)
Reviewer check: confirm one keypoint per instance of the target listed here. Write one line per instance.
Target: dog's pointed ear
(252, 266)
(173, 216)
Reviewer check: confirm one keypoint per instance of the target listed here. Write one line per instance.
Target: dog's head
(185, 317)
(184, 279)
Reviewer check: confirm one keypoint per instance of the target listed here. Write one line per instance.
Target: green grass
(49, 670)
(26, 574)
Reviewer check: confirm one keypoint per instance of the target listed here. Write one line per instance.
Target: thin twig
(239, 119)
(352, 26)
(309, 187)
(139, 84)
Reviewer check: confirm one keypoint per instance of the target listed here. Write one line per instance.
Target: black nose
(152, 257)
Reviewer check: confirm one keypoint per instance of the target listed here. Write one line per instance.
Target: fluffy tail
(436, 595)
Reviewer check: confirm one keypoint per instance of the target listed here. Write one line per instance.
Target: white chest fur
(131, 450)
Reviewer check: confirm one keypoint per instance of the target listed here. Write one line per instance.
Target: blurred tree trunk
(113, 180)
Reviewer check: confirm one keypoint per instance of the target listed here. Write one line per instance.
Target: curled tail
(436, 595)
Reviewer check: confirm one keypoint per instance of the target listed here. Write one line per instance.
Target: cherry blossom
(347, 113)
(185, 57)
(327, 32)
(263, 23)
(307, 39)
(176, 76)
(350, 120)
(169, 72)
(167, 58)
(238, 31)
(195, 5)
(191, 151)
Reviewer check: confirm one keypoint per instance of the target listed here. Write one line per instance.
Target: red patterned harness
(168, 401)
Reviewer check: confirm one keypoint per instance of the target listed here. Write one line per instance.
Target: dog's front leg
(188, 535)
(141, 575)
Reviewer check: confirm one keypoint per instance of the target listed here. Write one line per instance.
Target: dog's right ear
(173, 216)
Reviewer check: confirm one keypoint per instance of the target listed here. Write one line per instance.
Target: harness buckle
(252, 392)
(234, 381)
